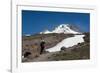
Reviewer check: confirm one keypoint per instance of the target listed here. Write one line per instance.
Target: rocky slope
(77, 52)
(32, 43)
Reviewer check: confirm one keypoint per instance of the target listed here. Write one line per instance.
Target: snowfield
(68, 42)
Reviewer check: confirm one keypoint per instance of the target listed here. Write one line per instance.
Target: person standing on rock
(42, 46)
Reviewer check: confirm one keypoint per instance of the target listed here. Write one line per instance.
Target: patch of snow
(68, 42)
(45, 32)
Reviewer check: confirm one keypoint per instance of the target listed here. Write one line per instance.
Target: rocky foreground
(76, 52)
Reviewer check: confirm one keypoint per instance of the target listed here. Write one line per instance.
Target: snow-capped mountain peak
(63, 28)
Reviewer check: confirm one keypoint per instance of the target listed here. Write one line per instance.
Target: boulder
(67, 50)
(63, 48)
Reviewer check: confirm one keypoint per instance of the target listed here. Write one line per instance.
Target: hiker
(42, 46)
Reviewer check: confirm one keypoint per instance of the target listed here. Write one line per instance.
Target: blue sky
(34, 22)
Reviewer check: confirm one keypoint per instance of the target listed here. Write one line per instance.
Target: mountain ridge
(63, 28)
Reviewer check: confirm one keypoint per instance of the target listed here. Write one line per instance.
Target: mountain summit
(63, 28)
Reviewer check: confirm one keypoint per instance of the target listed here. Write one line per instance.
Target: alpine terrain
(64, 42)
